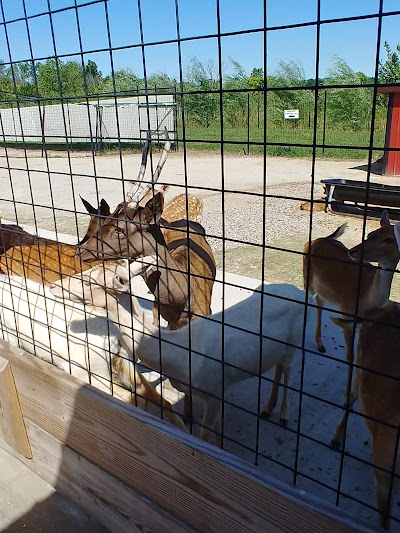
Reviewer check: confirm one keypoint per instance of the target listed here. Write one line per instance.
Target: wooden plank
(202, 485)
(114, 505)
(12, 427)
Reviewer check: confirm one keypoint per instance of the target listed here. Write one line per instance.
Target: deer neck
(173, 279)
(382, 283)
(139, 335)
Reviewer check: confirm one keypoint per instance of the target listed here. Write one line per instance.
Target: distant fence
(122, 120)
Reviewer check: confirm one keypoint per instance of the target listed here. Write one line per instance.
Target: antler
(140, 189)
(142, 170)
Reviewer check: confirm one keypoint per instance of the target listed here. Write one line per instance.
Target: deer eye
(119, 231)
(388, 240)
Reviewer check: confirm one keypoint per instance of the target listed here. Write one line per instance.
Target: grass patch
(280, 142)
(338, 143)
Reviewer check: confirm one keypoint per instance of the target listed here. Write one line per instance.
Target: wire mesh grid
(228, 126)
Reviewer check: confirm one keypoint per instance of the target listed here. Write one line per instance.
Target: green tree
(256, 79)
(7, 90)
(93, 77)
(235, 102)
(350, 108)
(56, 78)
(203, 108)
(289, 74)
(125, 81)
(389, 70)
(161, 80)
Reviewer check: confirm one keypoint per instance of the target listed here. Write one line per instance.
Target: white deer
(247, 349)
(77, 340)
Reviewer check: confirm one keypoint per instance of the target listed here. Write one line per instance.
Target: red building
(391, 160)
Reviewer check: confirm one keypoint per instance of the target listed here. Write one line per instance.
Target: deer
(45, 260)
(377, 385)
(332, 273)
(134, 231)
(181, 265)
(78, 340)
(210, 371)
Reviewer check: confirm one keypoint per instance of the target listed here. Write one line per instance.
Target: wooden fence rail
(133, 471)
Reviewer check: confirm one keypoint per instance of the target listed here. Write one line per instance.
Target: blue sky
(353, 41)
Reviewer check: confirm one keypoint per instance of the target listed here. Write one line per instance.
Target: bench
(349, 197)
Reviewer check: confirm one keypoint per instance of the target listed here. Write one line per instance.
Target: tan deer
(334, 276)
(377, 384)
(179, 264)
(45, 260)
(134, 231)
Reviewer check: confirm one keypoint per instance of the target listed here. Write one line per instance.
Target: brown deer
(134, 230)
(377, 384)
(335, 274)
(179, 266)
(45, 260)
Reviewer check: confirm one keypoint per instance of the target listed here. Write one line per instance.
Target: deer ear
(89, 208)
(385, 221)
(397, 234)
(104, 208)
(154, 208)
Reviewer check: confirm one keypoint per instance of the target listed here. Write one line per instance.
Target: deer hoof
(321, 348)
(264, 415)
(284, 422)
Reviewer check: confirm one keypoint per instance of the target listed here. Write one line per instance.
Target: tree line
(242, 96)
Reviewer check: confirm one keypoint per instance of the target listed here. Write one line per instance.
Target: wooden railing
(134, 472)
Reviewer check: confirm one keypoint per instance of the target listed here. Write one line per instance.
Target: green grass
(285, 136)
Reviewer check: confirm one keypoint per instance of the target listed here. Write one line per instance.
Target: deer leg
(318, 340)
(284, 417)
(273, 399)
(212, 408)
(187, 407)
(156, 314)
(383, 458)
(348, 341)
(382, 490)
(337, 440)
(133, 379)
(142, 264)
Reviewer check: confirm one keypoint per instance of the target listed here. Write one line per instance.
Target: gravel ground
(287, 229)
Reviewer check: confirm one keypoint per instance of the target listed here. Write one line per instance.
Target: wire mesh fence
(213, 234)
(92, 125)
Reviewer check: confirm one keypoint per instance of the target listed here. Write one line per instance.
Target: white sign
(291, 113)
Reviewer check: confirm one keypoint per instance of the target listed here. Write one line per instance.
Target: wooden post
(12, 426)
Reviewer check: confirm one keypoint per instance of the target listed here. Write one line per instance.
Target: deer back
(13, 235)
(44, 263)
(329, 260)
(176, 208)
